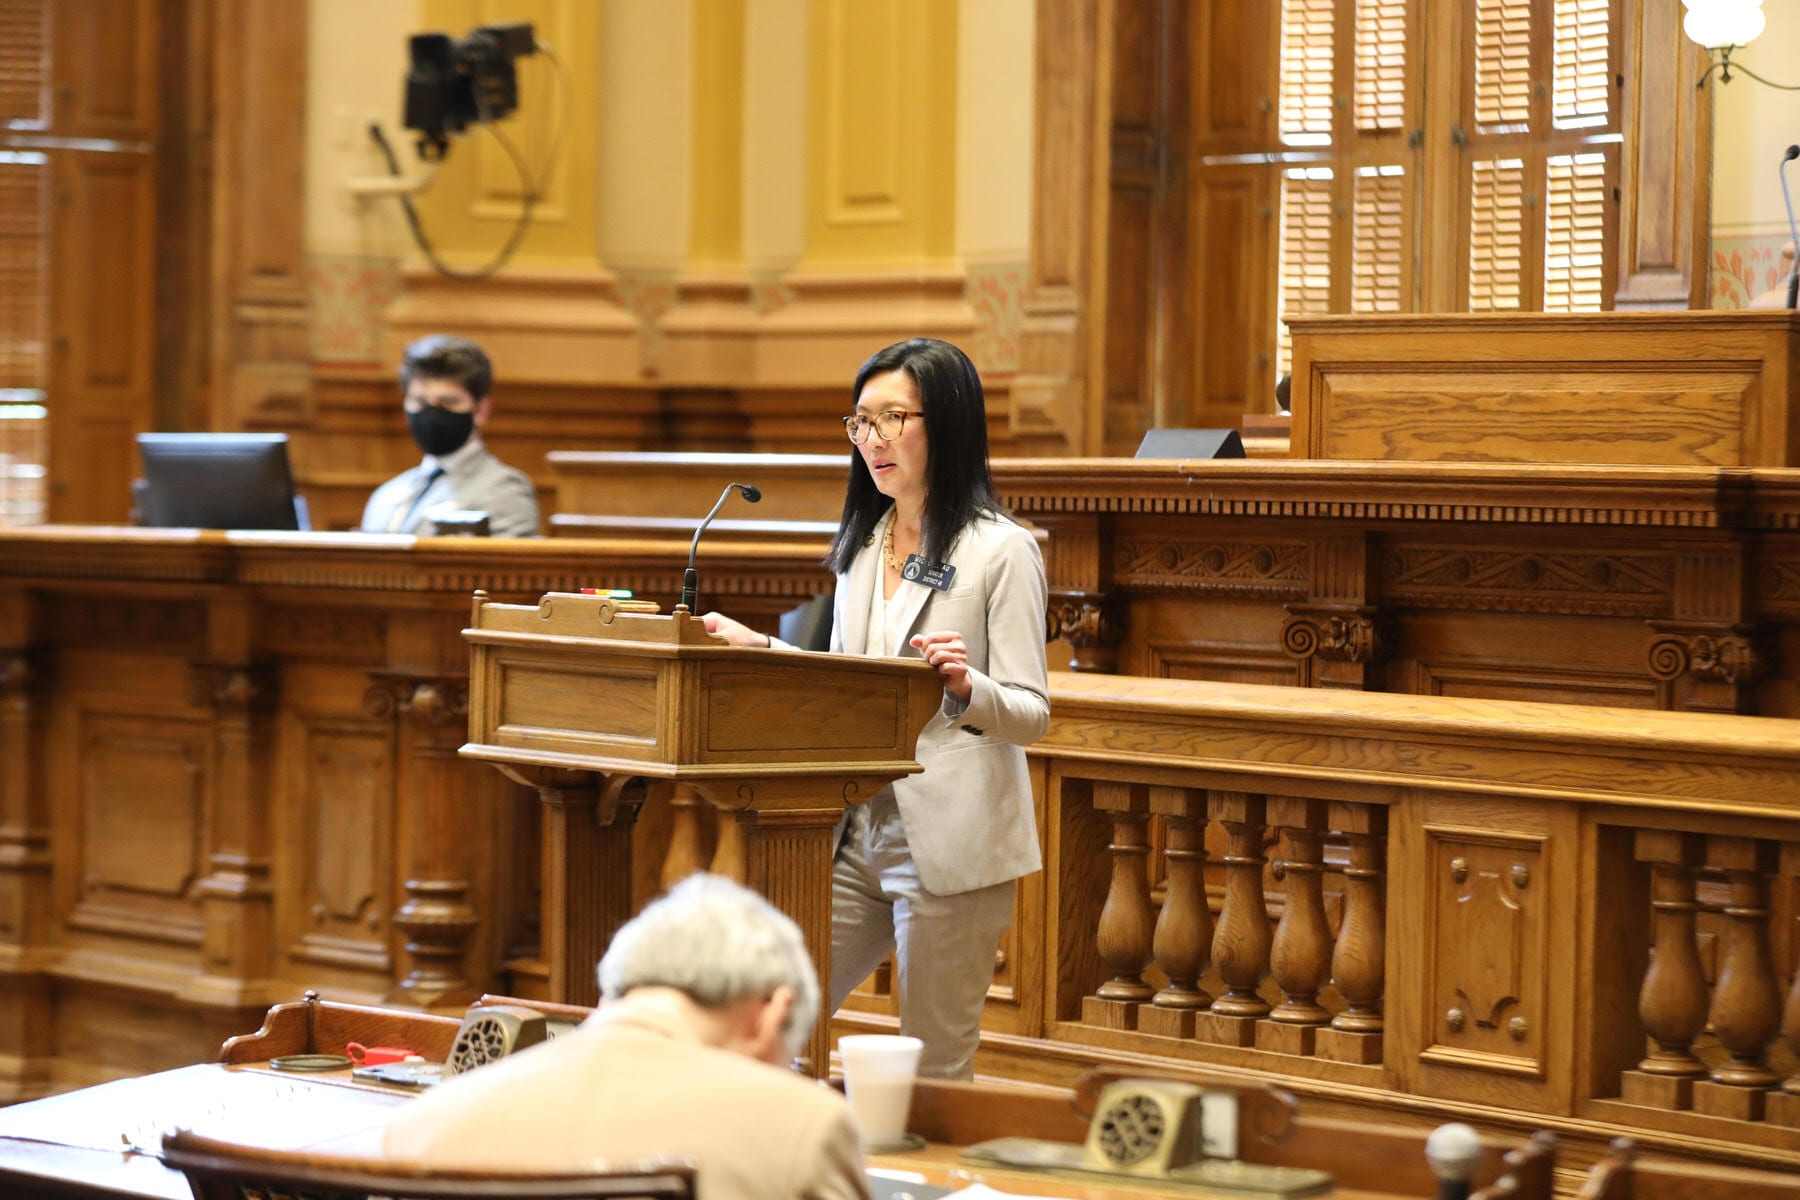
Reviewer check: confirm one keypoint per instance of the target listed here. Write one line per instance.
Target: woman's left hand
(945, 651)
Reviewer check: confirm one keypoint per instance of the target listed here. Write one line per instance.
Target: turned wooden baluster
(1300, 958)
(1241, 942)
(1672, 1001)
(1128, 920)
(1359, 961)
(1183, 942)
(1746, 1002)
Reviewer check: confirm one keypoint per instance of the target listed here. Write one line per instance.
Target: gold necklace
(887, 547)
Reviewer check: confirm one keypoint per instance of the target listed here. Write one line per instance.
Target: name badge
(936, 576)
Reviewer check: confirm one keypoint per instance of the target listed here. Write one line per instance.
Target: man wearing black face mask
(446, 381)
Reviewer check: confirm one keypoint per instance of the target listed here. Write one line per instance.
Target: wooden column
(1665, 209)
(1783, 1106)
(787, 827)
(26, 1035)
(237, 896)
(261, 362)
(586, 871)
(433, 846)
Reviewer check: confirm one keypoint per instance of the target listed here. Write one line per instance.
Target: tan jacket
(631, 1082)
(969, 815)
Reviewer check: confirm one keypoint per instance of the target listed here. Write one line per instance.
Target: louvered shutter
(1575, 233)
(1304, 285)
(24, 64)
(1307, 46)
(1380, 66)
(1377, 240)
(1581, 71)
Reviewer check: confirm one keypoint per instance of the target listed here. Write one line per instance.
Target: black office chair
(224, 1171)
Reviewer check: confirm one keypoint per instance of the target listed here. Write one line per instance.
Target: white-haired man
(704, 995)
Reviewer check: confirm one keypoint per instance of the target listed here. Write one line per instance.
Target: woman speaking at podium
(929, 565)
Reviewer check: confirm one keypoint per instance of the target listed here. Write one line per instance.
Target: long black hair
(958, 487)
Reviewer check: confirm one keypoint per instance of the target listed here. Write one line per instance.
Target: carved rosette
(428, 700)
(1341, 635)
(233, 687)
(1733, 658)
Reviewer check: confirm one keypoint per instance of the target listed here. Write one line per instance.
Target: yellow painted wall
(1752, 125)
(881, 153)
(356, 65)
(775, 130)
(645, 144)
(994, 129)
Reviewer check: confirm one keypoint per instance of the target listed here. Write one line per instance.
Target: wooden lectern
(586, 698)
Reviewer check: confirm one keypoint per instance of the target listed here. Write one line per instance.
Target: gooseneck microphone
(1793, 292)
(690, 580)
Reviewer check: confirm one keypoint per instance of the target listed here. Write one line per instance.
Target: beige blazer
(631, 1082)
(969, 815)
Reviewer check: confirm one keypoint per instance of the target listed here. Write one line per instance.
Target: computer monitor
(218, 481)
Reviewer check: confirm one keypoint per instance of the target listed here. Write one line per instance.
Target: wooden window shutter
(1380, 66)
(1496, 234)
(1582, 75)
(1575, 232)
(1304, 285)
(1377, 282)
(24, 282)
(1502, 64)
(1307, 35)
(25, 64)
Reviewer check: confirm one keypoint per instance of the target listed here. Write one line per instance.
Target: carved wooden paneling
(103, 250)
(1231, 212)
(127, 622)
(340, 634)
(142, 788)
(1516, 579)
(1487, 952)
(1269, 569)
(1665, 212)
(343, 791)
(1223, 663)
(104, 63)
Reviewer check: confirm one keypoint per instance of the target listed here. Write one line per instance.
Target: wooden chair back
(223, 1171)
(1529, 1172)
(1622, 1175)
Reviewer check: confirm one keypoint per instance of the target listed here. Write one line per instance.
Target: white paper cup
(878, 1075)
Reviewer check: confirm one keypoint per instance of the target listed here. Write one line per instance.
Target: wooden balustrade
(1421, 904)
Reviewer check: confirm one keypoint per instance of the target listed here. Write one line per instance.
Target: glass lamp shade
(1716, 24)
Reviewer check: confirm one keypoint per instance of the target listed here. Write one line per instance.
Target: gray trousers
(943, 945)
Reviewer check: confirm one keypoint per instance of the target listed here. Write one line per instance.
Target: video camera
(458, 82)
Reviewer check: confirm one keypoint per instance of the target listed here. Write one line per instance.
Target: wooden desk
(105, 1140)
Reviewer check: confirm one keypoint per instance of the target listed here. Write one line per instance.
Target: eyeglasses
(887, 426)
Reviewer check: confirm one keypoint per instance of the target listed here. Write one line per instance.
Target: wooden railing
(1427, 906)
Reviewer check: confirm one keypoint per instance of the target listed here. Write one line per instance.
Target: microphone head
(1793, 152)
(751, 492)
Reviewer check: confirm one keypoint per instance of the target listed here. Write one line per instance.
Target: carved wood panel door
(79, 102)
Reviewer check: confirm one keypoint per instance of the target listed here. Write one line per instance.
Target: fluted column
(1128, 921)
(1672, 1001)
(1359, 958)
(1746, 1003)
(1242, 940)
(1183, 941)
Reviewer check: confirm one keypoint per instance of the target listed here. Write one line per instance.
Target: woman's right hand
(735, 632)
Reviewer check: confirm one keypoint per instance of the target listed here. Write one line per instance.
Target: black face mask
(440, 431)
